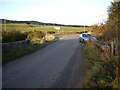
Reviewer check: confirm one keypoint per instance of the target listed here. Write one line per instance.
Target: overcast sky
(77, 12)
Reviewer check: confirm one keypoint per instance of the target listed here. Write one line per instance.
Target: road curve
(58, 65)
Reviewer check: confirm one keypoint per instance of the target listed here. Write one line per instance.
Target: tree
(112, 32)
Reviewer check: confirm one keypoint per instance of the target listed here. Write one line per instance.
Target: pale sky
(73, 12)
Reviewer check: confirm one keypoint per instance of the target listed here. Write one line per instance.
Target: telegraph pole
(4, 25)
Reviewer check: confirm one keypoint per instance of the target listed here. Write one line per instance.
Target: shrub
(13, 36)
(100, 72)
(36, 34)
(98, 29)
(51, 32)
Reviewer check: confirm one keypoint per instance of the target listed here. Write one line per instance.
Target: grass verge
(9, 56)
(100, 68)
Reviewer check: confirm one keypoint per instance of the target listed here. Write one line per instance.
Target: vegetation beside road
(13, 36)
(101, 69)
(103, 66)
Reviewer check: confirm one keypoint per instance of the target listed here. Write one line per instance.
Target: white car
(84, 37)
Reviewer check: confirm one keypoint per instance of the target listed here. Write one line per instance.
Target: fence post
(112, 48)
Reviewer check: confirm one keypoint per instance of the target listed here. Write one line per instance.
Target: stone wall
(6, 47)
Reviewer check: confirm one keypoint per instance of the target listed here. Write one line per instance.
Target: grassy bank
(101, 69)
(12, 55)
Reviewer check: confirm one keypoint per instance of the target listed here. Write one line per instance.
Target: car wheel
(83, 41)
(80, 41)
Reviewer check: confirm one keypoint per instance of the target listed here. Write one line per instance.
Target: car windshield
(87, 35)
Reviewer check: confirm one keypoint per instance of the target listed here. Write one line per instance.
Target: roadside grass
(100, 69)
(12, 55)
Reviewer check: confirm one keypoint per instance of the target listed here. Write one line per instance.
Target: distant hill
(38, 23)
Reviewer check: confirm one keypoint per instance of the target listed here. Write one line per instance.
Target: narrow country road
(58, 65)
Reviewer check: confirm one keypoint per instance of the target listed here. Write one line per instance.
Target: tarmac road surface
(58, 65)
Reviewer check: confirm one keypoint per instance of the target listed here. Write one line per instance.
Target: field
(33, 27)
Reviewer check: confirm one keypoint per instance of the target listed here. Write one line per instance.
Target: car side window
(85, 35)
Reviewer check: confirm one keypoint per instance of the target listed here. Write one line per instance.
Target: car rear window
(86, 35)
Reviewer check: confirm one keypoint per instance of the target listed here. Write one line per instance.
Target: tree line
(39, 23)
